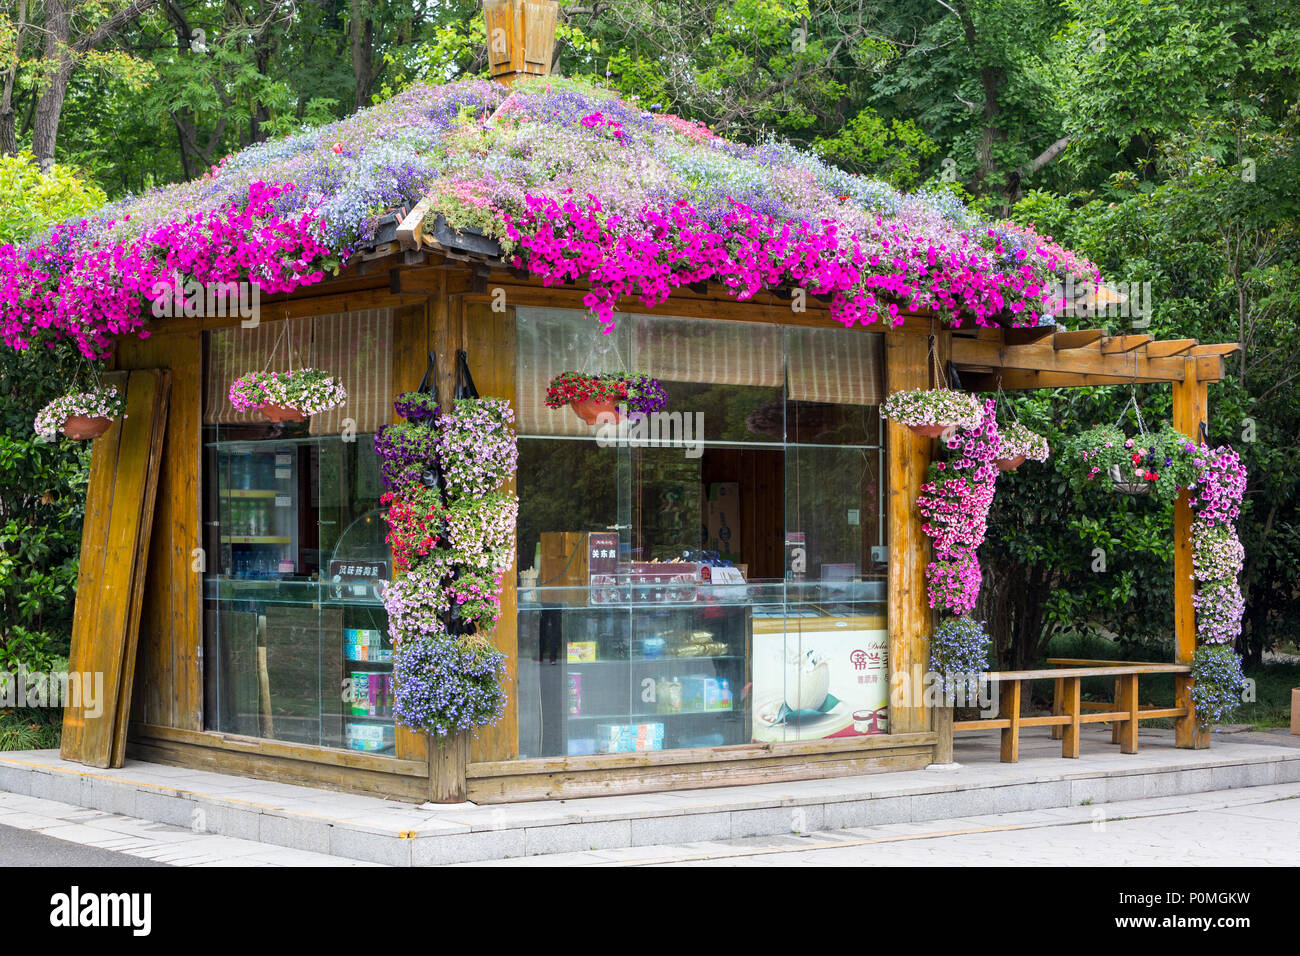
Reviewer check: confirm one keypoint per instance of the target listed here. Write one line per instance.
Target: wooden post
(448, 758)
(943, 727)
(906, 367)
(1189, 415)
(520, 37)
(1009, 710)
(1058, 688)
(1126, 699)
(1071, 704)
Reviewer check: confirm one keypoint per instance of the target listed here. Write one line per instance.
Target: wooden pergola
(1047, 357)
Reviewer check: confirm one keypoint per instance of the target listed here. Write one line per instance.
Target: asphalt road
(28, 848)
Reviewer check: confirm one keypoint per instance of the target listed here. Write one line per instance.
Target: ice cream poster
(814, 684)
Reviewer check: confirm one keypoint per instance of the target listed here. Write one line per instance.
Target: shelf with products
(634, 677)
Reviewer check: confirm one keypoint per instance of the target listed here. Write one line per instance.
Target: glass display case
(297, 642)
(609, 670)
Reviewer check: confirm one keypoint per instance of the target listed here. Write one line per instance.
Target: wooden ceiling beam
(1077, 339)
(1019, 379)
(1124, 343)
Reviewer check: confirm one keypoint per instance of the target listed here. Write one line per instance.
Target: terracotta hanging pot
(1009, 464)
(588, 409)
(931, 431)
(83, 427)
(279, 413)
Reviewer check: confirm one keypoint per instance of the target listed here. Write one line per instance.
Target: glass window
(713, 575)
(296, 638)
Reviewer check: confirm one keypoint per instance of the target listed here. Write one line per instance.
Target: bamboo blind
(355, 347)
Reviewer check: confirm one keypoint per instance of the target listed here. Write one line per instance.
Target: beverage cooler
(259, 510)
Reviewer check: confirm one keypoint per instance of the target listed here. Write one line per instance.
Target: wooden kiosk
(159, 576)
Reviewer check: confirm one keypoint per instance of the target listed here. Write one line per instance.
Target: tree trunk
(363, 52)
(49, 107)
(8, 117)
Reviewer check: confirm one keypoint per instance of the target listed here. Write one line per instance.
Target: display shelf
(368, 718)
(250, 493)
(256, 539)
(645, 717)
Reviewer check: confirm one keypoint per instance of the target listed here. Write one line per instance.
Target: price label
(283, 459)
(282, 473)
(283, 501)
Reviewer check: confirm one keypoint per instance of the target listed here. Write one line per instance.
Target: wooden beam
(1035, 333)
(1226, 348)
(1190, 410)
(1045, 357)
(1077, 339)
(1124, 343)
(411, 230)
(1021, 379)
(1209, 368)
(1169, 347)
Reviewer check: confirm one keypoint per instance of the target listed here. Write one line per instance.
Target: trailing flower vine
(452, 533)
(954, 505)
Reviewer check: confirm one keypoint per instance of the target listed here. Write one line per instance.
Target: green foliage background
(1159, 139)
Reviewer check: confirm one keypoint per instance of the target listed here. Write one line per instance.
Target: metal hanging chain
(1137, 410)
(591, 354)
(275, 348)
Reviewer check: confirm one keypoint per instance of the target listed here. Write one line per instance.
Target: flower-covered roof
(577, 184)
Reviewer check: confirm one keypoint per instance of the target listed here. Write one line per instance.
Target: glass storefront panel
(296, 641)
(715, 577)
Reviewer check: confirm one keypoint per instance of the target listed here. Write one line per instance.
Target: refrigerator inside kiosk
(259, 510)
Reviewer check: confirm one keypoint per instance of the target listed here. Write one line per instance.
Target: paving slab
(182, 803)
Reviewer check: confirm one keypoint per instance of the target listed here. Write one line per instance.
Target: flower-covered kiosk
(509, 440)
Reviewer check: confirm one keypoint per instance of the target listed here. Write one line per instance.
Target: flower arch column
(1190, 413)
(907, 367)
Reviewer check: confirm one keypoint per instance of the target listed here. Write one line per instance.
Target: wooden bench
(1069, 712)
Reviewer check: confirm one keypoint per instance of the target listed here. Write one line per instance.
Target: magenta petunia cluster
(954, 505)
(877, 275)
(73, 285)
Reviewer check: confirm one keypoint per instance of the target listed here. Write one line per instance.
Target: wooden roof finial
(520, 37)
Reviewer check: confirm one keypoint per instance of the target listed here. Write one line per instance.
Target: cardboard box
(724, 519)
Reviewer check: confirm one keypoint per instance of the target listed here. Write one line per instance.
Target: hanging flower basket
(290, 396)
(80, 416)
(1159, 464)
(591, 396)
(1017, 444)
(931, 412)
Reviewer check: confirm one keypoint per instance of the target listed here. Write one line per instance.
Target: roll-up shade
(269, 346)
(841, 366)
(355, 347)
(708, 352)
(551, 341)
